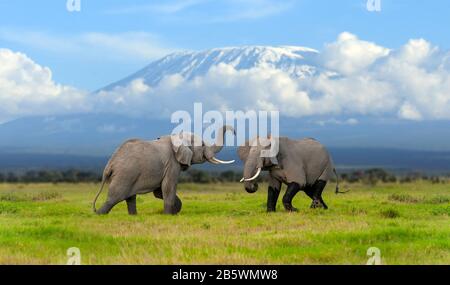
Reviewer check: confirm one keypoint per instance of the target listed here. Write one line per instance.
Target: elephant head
(257, 157)
(191, 149)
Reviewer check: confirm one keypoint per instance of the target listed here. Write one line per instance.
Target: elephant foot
(316, 204)
(105, 209)
(131, 205)
(290, 208)
(178, 205)
(173, 209)
(271, 210)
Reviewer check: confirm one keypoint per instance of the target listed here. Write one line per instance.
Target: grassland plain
(221, 223)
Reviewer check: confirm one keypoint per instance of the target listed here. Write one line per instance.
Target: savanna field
(221, 223)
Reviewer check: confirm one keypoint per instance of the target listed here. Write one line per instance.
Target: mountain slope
(297, 61)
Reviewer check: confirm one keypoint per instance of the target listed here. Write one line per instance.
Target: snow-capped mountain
(100, 132)
(299, 62)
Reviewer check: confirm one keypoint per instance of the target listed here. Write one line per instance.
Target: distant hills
(346, 159)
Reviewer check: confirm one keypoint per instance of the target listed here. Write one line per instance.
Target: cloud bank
(27, 88)
(361, 78)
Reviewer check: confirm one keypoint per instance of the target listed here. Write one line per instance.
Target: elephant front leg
(131, 204)
(178, 204)
(291, 191)
(272, 199)
(172, 204)
(273, 193)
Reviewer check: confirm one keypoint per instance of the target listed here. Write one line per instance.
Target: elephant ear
(180, 146)
(275, 159)
(275, 144)
(243, 151)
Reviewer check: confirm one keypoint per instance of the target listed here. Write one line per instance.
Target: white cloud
(412, 83)
(120, 47)
(351, 122)
(349, 55)
(409, 112)
(27, 88)
(222, 88)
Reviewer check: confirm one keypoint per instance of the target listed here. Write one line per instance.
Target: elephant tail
(337, 183)
(105, 179)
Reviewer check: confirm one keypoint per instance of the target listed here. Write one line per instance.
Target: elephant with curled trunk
(139, 167)
(300, 164)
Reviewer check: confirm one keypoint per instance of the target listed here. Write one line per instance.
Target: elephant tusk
(212, 161)
(253, 178)
(218, 161)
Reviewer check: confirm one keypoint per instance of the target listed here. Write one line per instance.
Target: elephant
(139, 167)
(300, 164)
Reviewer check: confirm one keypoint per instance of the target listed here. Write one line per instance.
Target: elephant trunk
(250, 176)
(218, 146)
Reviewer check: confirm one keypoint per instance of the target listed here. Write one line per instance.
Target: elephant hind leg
(116, 194)
(105, 209)
(316, 195)
(178, 204)
(131, 205)
(107, 206)
(291, 191)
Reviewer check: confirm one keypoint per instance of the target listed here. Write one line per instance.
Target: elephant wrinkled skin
(300, 164)
(139, 167)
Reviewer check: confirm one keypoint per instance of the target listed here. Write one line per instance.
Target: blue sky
(98, 45)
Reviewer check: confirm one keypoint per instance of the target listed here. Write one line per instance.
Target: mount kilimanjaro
(98, 134)
(299, 62)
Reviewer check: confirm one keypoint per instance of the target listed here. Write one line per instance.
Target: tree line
(368, 176)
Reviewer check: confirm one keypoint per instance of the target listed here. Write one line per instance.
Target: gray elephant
(300, 164)
(139, 167)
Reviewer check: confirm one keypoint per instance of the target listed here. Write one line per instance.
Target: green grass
(409, 223)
